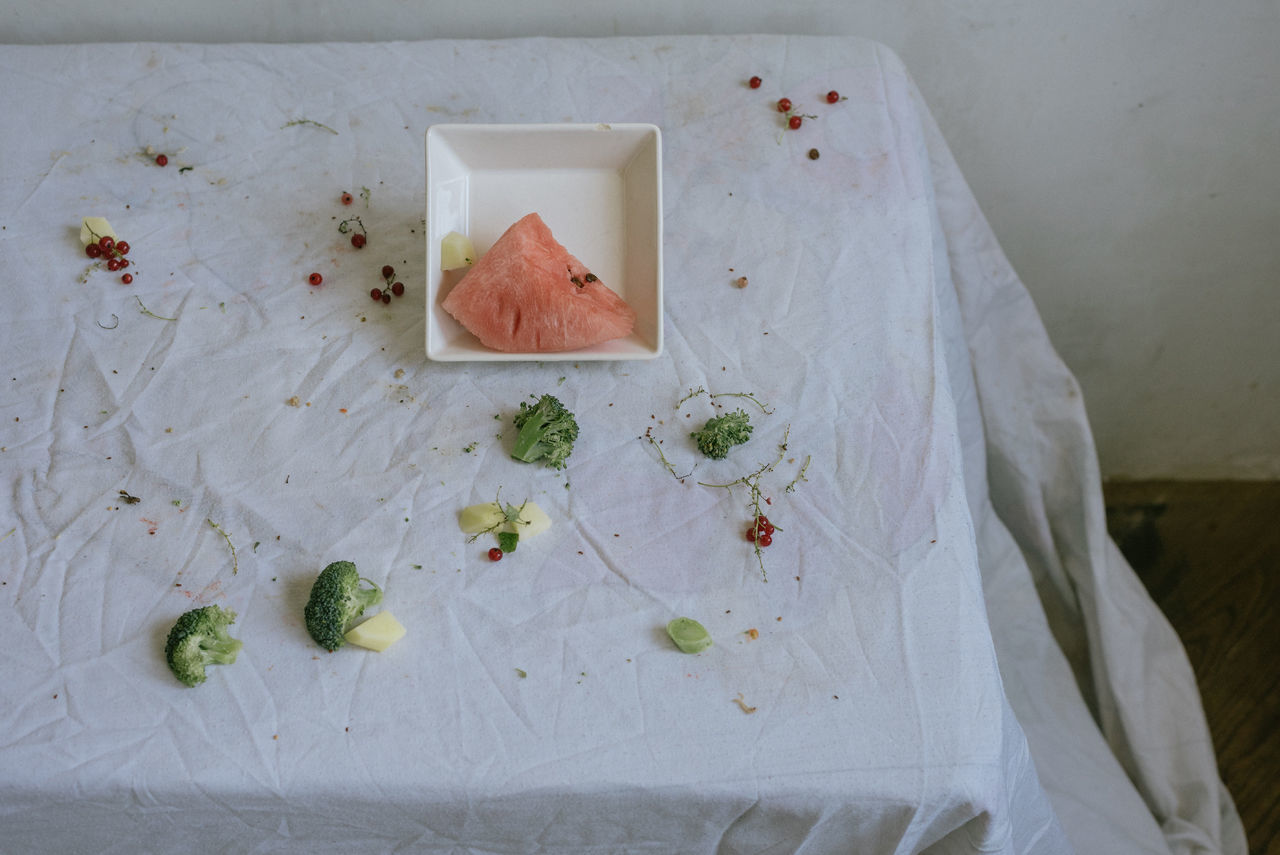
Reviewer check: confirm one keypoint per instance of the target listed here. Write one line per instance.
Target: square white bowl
(597, 187)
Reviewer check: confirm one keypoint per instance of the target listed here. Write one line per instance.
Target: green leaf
(507, 541)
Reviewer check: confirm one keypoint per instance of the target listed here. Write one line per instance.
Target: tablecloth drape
(219, 429)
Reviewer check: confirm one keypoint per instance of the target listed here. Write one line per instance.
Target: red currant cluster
(794, 120)
(112, 253)
(760, 532)
(397, 288)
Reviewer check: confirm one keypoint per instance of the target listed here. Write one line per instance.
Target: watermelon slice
(527, 294)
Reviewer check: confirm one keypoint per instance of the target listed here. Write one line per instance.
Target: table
(218, 430)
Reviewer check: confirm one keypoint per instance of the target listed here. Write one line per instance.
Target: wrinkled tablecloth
(940, 652)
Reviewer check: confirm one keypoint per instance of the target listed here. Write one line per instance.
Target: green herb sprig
(507, 540)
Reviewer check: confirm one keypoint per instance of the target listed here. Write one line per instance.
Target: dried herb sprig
(235, 564)
(666, 464)
(791, 488)
(696, 392)
(150, 314)
(311, 122)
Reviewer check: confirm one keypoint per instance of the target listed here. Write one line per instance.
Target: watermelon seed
(591, 277)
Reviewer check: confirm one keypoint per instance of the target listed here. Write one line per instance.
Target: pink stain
(209, 592)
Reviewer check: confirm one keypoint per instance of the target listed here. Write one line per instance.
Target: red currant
(124, 262)
(376, 294)
(346, 199)
(113, 264)
(794, 123)
(358, 241)
(833, 96)
(764, 539)
(784, 105)
(127, 279)
(162, 160)
(495, 554)
(398, 289)
(93, 250)
(386, 296)
(122, 247)
(388, 271)
(315, 278)
(106, 242)
(755, 82)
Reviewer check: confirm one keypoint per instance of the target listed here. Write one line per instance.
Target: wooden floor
(1209, 553)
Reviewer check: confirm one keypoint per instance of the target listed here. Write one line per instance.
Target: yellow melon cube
(532, 520)
(93, 228)
(377, 633)
(456, 251)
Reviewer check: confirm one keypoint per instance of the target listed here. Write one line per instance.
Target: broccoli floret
(199, 638)
(336, 600)
(721, 433)
(547, 432)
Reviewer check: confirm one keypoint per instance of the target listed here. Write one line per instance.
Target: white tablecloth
(906, 691)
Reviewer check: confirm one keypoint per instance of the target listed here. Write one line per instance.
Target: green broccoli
(720, 433)
(336, 600)
(547, 432)
(199, 638)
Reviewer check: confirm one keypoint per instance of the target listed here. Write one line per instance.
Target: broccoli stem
(221, 651)
(527, 440)
(368, 596)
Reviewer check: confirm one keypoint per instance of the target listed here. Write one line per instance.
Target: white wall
(1127, 154)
